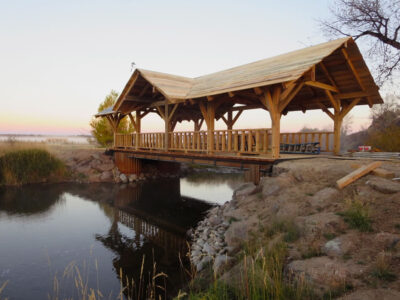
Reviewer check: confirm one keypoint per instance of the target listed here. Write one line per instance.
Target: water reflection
(118, 224)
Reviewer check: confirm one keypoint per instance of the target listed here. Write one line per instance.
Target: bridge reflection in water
(149, 224)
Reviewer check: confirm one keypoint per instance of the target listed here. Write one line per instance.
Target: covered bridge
(332, 77)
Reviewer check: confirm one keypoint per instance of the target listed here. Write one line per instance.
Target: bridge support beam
(340, 111)
(208, 112)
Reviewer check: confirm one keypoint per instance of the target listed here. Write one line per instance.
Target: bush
(28, 166)
(386, 140)
(357, 216)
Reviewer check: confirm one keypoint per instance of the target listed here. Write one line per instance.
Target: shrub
(290, 230)
(357, 216)
(28, 166)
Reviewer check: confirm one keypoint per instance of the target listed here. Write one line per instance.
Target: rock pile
(208, 241)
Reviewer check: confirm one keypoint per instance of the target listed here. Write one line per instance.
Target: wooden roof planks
(353, 176)
(319, 67)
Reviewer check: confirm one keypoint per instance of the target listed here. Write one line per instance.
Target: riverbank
(297, 236)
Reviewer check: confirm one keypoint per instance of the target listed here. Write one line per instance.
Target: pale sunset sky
(59, 59)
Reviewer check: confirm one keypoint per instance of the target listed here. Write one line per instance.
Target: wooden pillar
(337, 126)
(230, 121)
(276, 133)
(208, 112)
(167, 126)
(340, 111)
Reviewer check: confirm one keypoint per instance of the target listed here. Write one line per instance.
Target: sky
(59, 59)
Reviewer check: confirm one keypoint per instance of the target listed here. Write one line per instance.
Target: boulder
(123, 178)
(324, 273)
(132, 177)
(215, 220)
(324, 197)
(106, 176)
(95, 156)
(272, 185)
(383, 185)
(320, 223)
(236, 234)
(105, 167)
(221, 262)
(382, 294)
(341, 245)
(206, 260)
(245, 189)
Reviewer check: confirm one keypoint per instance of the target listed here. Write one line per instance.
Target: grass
(357, 215)
(29, 166)
(261, 276)
(291, 232)
(382, 269)
(2, 287)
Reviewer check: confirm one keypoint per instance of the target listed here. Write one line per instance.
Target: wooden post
(337, 125)
(230, 121)
(340, 111)
(276, 133)
(167, 126)
(138, 129)
(208, 112)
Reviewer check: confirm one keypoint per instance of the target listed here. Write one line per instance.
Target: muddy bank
(340, 243)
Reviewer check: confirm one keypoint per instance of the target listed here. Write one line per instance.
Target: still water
(56, 240)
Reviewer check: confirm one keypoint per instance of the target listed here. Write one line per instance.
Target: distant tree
(375, 21)
(101, 128)
(384, 132)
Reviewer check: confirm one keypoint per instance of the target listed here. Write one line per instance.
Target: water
(48, 139)
(102, 229)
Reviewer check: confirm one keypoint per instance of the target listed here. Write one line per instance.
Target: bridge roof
(336, 63)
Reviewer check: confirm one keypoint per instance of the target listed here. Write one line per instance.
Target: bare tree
(375, 21)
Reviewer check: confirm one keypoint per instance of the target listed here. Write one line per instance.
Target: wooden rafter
(323, 86)
(326, 110)
(355, 73)
(335, 102)
(328, 75)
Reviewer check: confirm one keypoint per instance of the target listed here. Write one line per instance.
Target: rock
(318, 224)
(94, 178)
(386, 240)
(384, 185)
(382, 294)
(132, 177)
(236, 234)
(83, 169)
(123, 178)
(215, 220)
(105, 167)
(245, 189)
(332, 248)
(324, 197)
(95, 156)
(106, 176)
(203, 263)
(221, 262)
(208, 249)
(341, 245)
(324, 273)
(272, 185)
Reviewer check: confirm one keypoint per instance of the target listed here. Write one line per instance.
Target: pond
(69, 240)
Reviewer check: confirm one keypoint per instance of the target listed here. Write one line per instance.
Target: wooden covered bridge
(331, 77)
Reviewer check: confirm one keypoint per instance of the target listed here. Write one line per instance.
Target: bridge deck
(217, 159)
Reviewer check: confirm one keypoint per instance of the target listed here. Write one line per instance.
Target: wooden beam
(210, 98)
(236, 117)
(353, 176)
(346, 110)
(328, 75)
(284, 102)
(173, 111)
(146, 87)
(323, 86)
(258, 91)
(160, 112)
(355, 73)
(377, 172)
(325, 110)
(335, 102)
(231, 94)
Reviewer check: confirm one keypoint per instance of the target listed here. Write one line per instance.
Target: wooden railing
(247, 141)
(324, 138)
